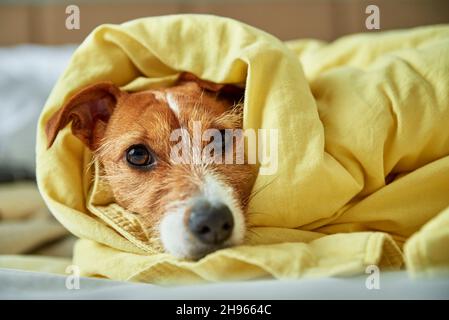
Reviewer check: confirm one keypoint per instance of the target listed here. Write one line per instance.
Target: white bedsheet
(393, 285)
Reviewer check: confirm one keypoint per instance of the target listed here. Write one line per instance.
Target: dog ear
(227, 91)
(89, 111)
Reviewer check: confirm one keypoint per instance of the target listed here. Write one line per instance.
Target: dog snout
(210, 223)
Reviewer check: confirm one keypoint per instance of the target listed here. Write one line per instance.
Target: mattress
(392, 285)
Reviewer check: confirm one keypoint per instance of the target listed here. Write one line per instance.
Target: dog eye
(139, 156)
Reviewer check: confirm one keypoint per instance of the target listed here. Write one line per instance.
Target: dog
(193, 208)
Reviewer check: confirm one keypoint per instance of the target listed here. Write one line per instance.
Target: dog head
(194, 206)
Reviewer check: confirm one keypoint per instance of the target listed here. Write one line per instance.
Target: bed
(53, 242)
(393, 285)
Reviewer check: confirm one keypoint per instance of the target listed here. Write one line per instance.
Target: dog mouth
(205, 223)
(204, 232)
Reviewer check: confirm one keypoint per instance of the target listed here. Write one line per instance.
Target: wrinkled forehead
(158, 112)
(188, 98)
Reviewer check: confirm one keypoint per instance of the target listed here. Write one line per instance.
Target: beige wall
(287, 19)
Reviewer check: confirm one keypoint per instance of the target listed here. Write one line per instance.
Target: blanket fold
(363, 154)
(30, 238)
(27, 227)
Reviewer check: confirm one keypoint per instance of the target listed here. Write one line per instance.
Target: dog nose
(210, 223)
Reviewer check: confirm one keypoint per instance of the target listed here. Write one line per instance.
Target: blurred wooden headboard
(43, 22)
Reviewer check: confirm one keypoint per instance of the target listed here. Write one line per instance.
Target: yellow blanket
(363, 150)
